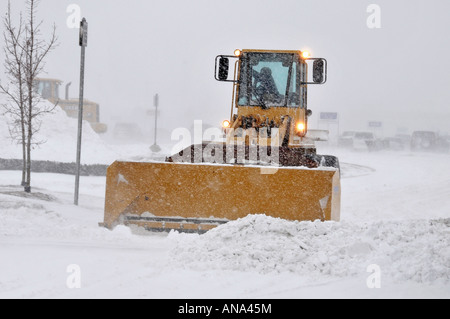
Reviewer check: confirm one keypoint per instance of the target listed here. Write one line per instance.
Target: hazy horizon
(395, 74)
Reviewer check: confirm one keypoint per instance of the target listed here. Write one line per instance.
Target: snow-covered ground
(393, 240)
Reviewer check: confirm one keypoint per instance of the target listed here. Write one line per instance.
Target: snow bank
(415, 250)
(43, 217)
(59, 134)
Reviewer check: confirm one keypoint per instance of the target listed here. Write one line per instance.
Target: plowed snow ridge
(417, 250)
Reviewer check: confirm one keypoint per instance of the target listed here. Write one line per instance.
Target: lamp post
(155, 147)
(83, 45)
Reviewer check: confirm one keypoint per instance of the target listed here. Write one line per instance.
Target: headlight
(226, 124)
(300, 127)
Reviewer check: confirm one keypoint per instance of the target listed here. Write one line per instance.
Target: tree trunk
(29, 138)
(22, 125)
(30, 78)
(24, 153)
(28, 154)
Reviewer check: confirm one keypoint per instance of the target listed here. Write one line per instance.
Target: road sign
(329, 116)
(83, 33)
(375, 124)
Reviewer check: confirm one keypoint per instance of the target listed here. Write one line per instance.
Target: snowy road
(395, 214)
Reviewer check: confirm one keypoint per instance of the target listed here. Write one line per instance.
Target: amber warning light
(300, 127)
(226, 124)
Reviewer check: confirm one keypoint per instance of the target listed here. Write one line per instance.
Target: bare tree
(15, 89)
(36, 50)
(28, 53)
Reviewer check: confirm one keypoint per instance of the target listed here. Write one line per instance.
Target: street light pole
(83, 44)
(155, 147)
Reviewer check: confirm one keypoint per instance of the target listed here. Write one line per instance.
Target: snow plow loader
(266, 162)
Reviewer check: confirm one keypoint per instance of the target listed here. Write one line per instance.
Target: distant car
(346, 139)
(444, 143)
(359, 141)
(405, 138)
(393, 143)
(365, 140)
(424, 140)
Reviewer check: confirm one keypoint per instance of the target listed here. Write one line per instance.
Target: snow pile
(58, 133)
(407, 250)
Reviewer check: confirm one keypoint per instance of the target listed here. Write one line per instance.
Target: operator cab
(270, 90)
(47, 88)
(271, 80)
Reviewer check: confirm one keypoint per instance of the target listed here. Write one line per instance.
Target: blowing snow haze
(396, 74)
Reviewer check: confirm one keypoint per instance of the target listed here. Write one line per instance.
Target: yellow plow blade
(198, 197)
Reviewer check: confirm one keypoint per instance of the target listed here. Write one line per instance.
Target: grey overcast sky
(397, 74)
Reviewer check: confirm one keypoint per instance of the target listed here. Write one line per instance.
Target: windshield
(269, 79)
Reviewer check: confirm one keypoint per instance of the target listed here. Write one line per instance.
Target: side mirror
(318, 71)
(224, 64)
